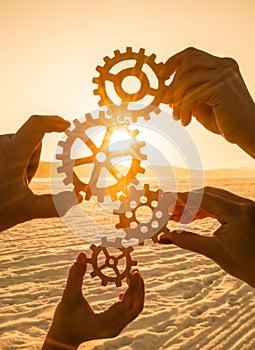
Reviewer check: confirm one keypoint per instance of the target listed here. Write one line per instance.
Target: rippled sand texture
(190, 302)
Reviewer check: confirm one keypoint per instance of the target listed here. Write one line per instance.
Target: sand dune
(190, 302)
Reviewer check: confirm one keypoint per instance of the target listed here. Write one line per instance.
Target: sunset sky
(50, 48)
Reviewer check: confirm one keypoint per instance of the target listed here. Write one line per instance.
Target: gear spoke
(84, 160)
(109, 76)
(102, 266)
(90, 144)
(120, 256)
(116, 271)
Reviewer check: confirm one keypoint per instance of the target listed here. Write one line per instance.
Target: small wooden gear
(111, 262)
(136, 228)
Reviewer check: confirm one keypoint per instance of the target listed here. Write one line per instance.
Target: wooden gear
(111, 261)
(137, 71)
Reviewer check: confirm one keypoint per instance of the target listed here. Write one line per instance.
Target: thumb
(191, 241)
(75, 278)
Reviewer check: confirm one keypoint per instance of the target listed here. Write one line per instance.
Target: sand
(191, 303)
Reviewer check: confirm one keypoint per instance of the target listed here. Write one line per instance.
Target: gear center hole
(143, 214)
(101, 157)
(131, 84)
(111, 261)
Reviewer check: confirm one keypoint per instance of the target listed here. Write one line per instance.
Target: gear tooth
(129, 249)
(106, 59)
(101, 114)
(68, 132)
(61, 143)
(146, 188)
(68, 180)
(92, 247)
(117, 53)
(135, 182)
(96, 92)
(76, 122)
(134, 263)
(104, 281)
(118, 226)
(59, 156)
(122, 198)
(104, 241)
(141, 51)
(156, 110)
(151, 58)
(61, 169)
(128, 235)
(129, 49)
(141, 170)
(118, 283)
(141, 243)
(93, 274)
(118, 241)
(134, 133)
(100, 198)
(143, 156)
(99, 69)
(141, 144)
(89, 118)
(88, 196)
(100, 103)
(146, 117)
(95, 80)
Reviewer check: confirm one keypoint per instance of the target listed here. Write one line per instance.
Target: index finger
(215, 205)
(174, 62)
(29, 136)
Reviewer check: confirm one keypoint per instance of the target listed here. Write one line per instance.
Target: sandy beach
(191, 303)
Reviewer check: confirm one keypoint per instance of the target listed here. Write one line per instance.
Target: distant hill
(44, 171)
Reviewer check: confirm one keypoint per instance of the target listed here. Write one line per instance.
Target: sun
(120, 139)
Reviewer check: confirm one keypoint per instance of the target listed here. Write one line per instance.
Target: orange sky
(50, 48)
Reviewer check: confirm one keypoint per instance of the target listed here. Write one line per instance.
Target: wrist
(58, 340)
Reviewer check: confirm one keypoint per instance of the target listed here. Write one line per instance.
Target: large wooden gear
(101, 157)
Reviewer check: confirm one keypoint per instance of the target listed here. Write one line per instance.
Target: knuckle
(33, 119)
(190, 50)
(230, 62)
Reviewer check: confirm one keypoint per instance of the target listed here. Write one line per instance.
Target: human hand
(232, 245)
(19, 160)
(212, 90)
(75, 322)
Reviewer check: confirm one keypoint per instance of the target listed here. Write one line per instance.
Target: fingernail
(165, 240)
(81, 258)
